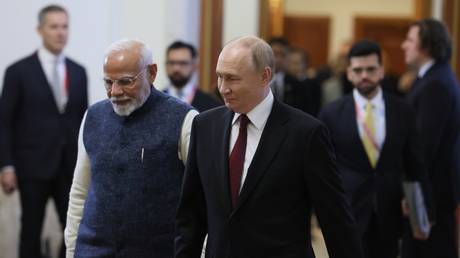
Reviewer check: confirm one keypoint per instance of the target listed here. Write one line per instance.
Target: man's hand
(405, 208)
(8, 180)
(416, 233)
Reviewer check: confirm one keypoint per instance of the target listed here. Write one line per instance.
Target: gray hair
(145, 54)
(261, 52)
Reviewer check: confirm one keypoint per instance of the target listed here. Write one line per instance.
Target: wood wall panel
(451, 17)
(389, 33)
(210, 42)
(311, 34)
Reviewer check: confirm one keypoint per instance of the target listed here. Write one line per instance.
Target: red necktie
(236, 162)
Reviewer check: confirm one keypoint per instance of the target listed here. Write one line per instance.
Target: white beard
(130, 107)
(124, 110)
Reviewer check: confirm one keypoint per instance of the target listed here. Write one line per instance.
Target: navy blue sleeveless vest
(136, 177)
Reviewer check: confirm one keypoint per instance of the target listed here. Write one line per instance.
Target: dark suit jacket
(377, 191)
(302, 94)
(292, 170)
(436, 98)
(202, 101)
(34, 136)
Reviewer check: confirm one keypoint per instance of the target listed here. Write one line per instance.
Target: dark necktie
(236, 161)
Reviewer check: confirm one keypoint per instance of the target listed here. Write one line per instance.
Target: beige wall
(342, 13)
(241, 18)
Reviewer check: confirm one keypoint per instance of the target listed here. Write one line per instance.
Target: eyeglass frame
(132, 79)
(371, 70)
(180, 63)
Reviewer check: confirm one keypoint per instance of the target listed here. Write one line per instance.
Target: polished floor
(51, 237)
(10, 224)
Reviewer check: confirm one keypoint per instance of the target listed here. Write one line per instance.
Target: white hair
(145, 54)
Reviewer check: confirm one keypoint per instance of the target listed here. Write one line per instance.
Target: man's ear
(152, 72)
(382, 72)
(267, 75)
(349, 73)
(195, 64)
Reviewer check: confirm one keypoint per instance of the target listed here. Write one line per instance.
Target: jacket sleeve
(78, 194)
(328, 196)
(432, 118)
(414, 167)
(191, 217)
(9, 105)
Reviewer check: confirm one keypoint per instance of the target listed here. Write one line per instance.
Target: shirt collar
(279, 77)
(425, 67)
(46, 56)
(186, 90)
(259, 114)
(361, 101)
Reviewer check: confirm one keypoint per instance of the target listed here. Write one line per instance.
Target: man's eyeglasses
(178, 63)
(369, 70)
(123, 81)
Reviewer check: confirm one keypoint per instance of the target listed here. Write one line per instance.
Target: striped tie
(368, 139)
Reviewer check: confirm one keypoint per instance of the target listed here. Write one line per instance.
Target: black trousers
(378, 241)
(34, 195)
(440, 244)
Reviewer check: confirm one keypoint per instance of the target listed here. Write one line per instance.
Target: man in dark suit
(181, 65)
(435, 95)
(43, 101)
(307, 92)
(376, 144)
(255, 169)
(286, 86)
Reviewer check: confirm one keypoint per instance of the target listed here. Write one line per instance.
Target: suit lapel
(46, 87)
(272, 137)
(70, 81)
(223, 141)
(390, 130)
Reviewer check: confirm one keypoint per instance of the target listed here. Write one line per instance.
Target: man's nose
(116, 90)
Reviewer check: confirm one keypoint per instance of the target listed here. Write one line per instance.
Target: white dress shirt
(277, 85)
(82, 176)
(258, 117)
(425, 67)
(47, 60)
(378, 109)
